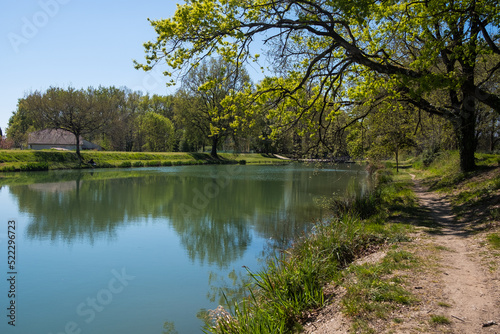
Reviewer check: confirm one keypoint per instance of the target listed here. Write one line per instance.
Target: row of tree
(209, 110)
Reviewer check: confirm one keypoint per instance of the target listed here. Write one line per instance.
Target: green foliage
(155, 133)
(208, 108)
(21, 123)
(293, 283)
(429, 156)
(81, 112)
(105, 164)
(494, 240)
(325, 57)
(7, 169)
(12, 160)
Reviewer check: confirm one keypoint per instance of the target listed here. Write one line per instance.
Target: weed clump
(439, 320)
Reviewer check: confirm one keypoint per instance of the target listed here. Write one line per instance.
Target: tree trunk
(465, 124)
(215, 141)
(397, 160)
(465, 130)
(466, 148)
(77, 135)
(492, 136)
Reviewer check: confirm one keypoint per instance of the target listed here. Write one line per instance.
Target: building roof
(52, 137)
(57, 137)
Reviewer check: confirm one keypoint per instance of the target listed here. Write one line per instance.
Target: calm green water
(147, 250)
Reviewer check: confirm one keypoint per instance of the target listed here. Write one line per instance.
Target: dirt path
(472, 292)
(458, 284)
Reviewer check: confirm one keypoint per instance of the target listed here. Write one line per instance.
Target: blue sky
(75, 43)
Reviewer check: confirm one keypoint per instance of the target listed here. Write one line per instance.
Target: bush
(242, 162)
(430, 155)
(166, 163)
(138, 164)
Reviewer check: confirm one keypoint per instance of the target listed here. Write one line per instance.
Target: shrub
(138, 164)
(430, 155)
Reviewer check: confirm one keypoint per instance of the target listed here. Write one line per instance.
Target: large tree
(209, 88)
(352, 51)
(154, 133)
(81, 112)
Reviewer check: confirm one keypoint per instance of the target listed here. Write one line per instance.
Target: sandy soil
(461, 283)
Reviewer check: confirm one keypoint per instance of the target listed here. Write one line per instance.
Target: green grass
(471, 194)
(31, 160)
(373, 291)
(494, 240)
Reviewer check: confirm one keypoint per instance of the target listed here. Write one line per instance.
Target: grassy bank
(328, 266)
(31, 160)
(474, 196)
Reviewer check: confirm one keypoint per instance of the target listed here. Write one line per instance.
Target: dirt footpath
(469, 288)
(460, 282)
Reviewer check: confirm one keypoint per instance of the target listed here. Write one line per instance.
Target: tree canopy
(80, 112)
(439, 56)
(210, 110)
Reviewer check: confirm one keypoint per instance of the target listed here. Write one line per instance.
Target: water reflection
(212, 208)
(154, 221)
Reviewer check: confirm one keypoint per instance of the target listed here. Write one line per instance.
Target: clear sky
(77, 43)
